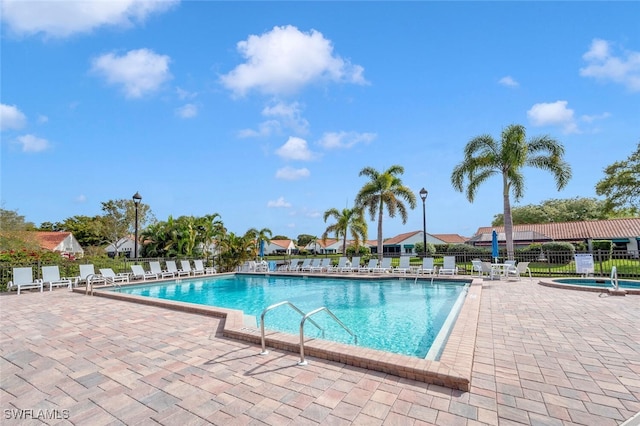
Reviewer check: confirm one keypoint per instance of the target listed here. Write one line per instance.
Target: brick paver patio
(543, 356)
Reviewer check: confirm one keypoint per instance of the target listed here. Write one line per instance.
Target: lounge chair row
(23, 277)
(349, 266)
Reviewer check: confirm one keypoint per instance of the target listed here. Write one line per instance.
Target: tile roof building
(625, 233)
(62, 242)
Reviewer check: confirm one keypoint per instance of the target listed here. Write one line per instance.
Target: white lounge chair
(518, 270)
(186, 266)
(88, 272)
(139, 272)
(113, 278)
(368, 268)
(449, 266)
(384, 266)
(292, 266)
(342, 262)
(51, 276)
(322, 266)
(155, 268)
(23, 279)
(171, 266)
(404, 266)
(427, 267)
(308, 266)
(198, 266)
(355, 265)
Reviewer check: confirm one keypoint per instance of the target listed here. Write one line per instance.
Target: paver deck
(543, 356)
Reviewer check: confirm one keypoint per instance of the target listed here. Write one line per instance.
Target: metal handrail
(268, 308)
(324, 308)
(614, 277)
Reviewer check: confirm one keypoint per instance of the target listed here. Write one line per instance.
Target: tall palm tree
(346, 220)
(262, 236)
(385, 190)
(485, 157)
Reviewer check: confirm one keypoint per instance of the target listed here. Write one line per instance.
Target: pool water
(592, 282)
(398, 316)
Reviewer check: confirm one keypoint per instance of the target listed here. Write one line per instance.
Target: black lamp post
(137, 198)
(423, 196)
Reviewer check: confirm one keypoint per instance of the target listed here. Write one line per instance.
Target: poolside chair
(262, 266)
(308, 266)
(427, 267)
(292, 266)
(51, 276)
(186, 266)
(404, 266)
(480, 269)
(113, 278)
(23, 278)
(449, 266)
(156, 269)
(198, 265)
(88, 273)
(384, 266)
(518, 270)
(368, 268)
(171, 266)
(342, 262)
(322, 265)
(354, 266)
(139, 272)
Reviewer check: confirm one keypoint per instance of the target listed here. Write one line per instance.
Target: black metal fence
(542, 264)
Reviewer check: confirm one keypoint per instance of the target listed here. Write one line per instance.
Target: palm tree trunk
(508, 221)
(380, 231)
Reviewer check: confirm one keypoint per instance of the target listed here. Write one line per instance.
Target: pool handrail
(614, 277)
(315, 311)
(268, 308)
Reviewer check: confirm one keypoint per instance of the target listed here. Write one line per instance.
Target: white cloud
(553, 114)
(508, 81)
(284, 60)
(139, 71)
(289, 114)
(280, 202)
(266, 128)
(592, 118)
(32, 143)
(602, 64)
(184, 94)
(42, 119)
(64, 18)
(342, 140)
(187, 111)
(11, 117)
(295, 149)
(289, 173)
(80, 199)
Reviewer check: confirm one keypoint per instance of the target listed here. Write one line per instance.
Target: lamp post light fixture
(423, 196)
(137, 198)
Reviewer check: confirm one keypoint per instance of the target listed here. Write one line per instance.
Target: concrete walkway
(543, 356)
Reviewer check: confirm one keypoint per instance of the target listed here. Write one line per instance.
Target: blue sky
(265, 112)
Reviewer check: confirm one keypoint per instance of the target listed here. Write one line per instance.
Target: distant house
(62, 242)
(624, 233)
(125, 246)
(280, 247)
(330, 246)
(405, 243)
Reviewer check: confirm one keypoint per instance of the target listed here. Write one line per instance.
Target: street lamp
(423, 195)
(137, 198)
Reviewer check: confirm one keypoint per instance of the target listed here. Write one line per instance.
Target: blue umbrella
(261, 249)
(494, 245)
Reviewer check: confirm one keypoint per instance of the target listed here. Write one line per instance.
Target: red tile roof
(578, 231)
(451, 238)
(400, 238)
(50, 240)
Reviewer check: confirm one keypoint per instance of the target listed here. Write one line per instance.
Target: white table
(501, 268)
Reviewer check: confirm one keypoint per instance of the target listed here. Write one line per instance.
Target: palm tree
(262, 236)
(485, 157)
(384, 190)
(346, 220)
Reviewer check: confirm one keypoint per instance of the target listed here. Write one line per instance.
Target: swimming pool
(593, 284)
(402, 317)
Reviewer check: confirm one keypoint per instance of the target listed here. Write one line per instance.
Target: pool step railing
(302, 321)
(614, 277)
(303, 361)
(276, 305)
